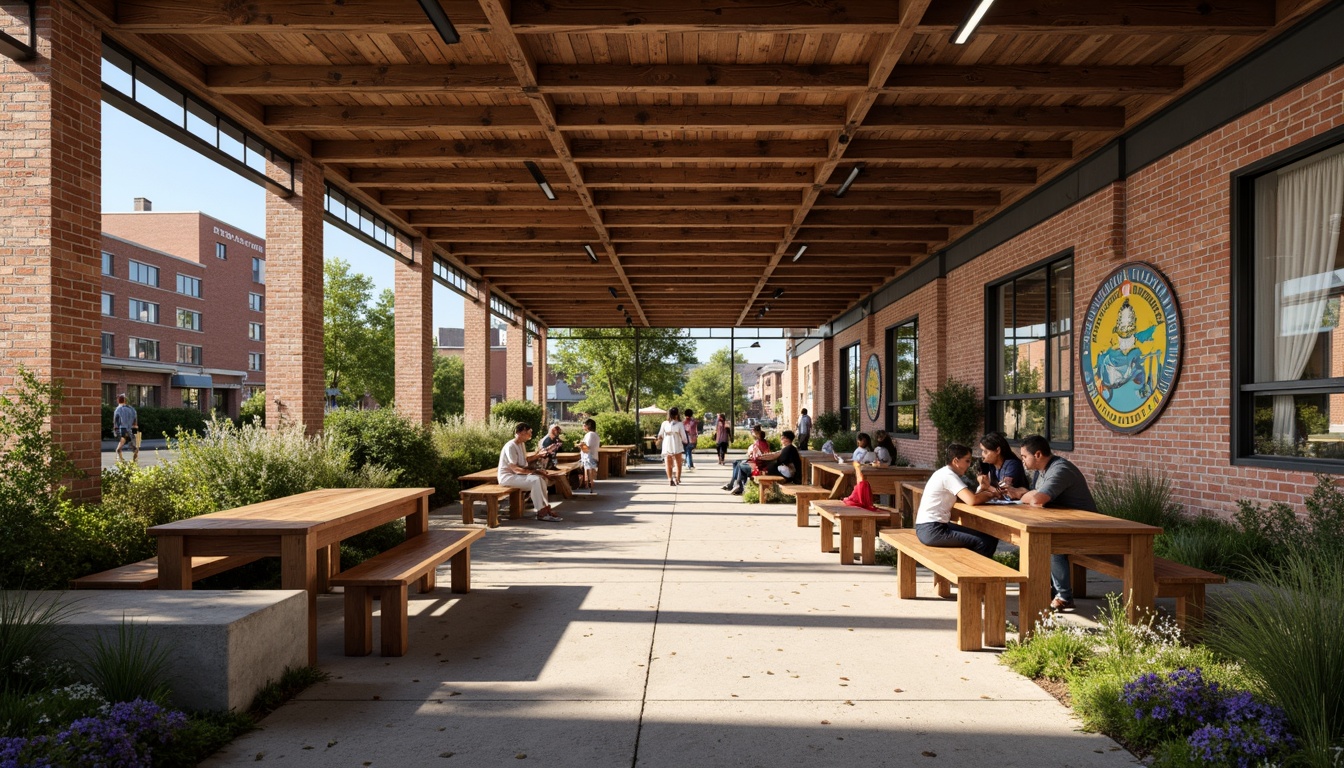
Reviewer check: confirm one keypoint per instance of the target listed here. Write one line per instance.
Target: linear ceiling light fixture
(968, 26)
(612, 291)
(779, 293)
(801, 250)
(849, 181)
(540, 179)
(439, 18)
(592, 256)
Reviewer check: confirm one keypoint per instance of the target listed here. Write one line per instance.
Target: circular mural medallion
(872, 387)
(1131, 347)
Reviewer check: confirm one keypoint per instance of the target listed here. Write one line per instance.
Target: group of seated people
(516, 471)
(785, 463)
(1002, 476)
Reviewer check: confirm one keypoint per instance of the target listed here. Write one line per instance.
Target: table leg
(174, 565)
(328, 563)
(995, 601)
(460, 568)
(905, 576)
(603, 467)
(847, 541)
(868, 555)
(802, 512)
(970, 629)
(417, 523)
(298, 570)
(1139, 586)
(1034, 595)
(827, 534)
(358, 621)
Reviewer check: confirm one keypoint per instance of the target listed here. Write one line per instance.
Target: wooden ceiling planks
(692, 139)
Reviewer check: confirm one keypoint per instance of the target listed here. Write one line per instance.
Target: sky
(138, 161)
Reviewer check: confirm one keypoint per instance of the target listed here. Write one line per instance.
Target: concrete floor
(660, 626)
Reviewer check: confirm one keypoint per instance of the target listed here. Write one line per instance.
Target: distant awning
(191, 381)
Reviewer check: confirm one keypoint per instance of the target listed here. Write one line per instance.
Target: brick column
(50, 224)
(515, 361)
(792, 380)
(539, 369)
(476, 356)
(827, 385)
(414, 334)
(295, 381)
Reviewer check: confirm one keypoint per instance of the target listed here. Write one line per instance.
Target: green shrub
(751, 494)
(845, 442)
(253, 409)
(743, 441)
(382, 437)
(1287, 636)
(468, 446)
(128, 665)
(1011, 558)
(1143, 496)
(618, 429)
(160, 423)
(27, 636)
(827, 425)
(1207, 543)
(1051, 652)
(954, 410)
(649, 424)
(706, 441)
(525, 411)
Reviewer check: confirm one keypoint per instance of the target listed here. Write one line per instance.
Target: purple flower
(123, 737)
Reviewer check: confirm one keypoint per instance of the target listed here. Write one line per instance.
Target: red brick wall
(50, 196)
(539, 370)
(296, 384)
(476, 357)
(414, 336)
(515, 366)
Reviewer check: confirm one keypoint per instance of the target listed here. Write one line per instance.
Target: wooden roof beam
(534, 218)
(792, 117)
(876, 150)
(882, 176)
(1024, 117)
(1034, 78)
(865, 219)
(398, 118)
(600, 176)
(490, 150)
(518, 234)
(224, 17)
(704, 234)
(909, 199)
(505, 177)
(678, 16)
(686, 200)
(873, 235)
(697, 218)
(484, 199)
(1114, 17)
(594, 151)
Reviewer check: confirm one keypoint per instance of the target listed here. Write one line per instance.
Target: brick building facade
(184, 311)
(451, 342)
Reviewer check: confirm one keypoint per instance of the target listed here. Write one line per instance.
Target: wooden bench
(387, 575)
(145, 574)
(804, 495)
(765, 482)
(490, 476)
(1183, 582)
(981, 585)
(560, 477)
(491, 495)
(853, 521)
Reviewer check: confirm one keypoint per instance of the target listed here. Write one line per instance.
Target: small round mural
(1131, 347)
(872, 387)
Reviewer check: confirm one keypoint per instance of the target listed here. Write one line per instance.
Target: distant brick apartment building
(450, 341)
(184, 310)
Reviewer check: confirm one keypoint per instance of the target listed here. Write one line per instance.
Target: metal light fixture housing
(801, 250)
(592, 256)
(442, 24)
(973, 19)
(540, 178)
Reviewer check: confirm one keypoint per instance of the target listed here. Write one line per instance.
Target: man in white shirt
(514, 472)
(804, 431)
(945, 488)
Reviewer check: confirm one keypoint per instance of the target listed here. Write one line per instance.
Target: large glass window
(142, 273)
(1291, 376)
(144, 311)
(1030, 365)
(107, 263)
(110, 394)
(254, 361)
(144, 349)
(254, 332)
(189, 354)
(188, 285)
(109, 345)
(850, 380)
(221, 251)
(256, 302)
(195, 398)
(107, 305)
(141, 395)
(189, 319)
(903, 379)
(258, 270)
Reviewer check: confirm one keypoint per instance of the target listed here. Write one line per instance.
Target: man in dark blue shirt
(1055, 482)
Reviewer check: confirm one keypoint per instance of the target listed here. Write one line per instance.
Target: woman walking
(721, 438)
(672, 435)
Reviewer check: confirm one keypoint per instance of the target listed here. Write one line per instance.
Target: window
(254, 361)
(194, 398)
(142, 273)
(1288, 370)
(256, 302)
(144, 311)
(109, 345)
(258, 270)
(189, 319)
(221, 401)
(850, 381)
(144, 349)
(109, 394)
(221, 251)
(903, 379)
(189, 286)
(189, 354)
(140, 395)
(1030, 362)
(107, 305)
(107, 263)
(254, 331)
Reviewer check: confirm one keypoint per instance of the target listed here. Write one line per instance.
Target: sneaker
(738, 491)
(1060, 604)
(727, 486)
(550, 518)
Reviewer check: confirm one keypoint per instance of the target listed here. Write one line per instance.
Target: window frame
(199, 326)
(258, 271)
(994, 345)
(259, 359)
(260, 331)
(850, 412)
(109, 304)
(200, 354)
(109, 264)
(1241, 297)
(135, 316)
(190, 281)
(158, 351)
(259, 305)
(109, 341)
(892, 403)
(221, 251)
(130, 272)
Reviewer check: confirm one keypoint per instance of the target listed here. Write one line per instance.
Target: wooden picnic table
(611, 457)
(623, 462)
(305, 530)
(1044, 531)
(884, 480)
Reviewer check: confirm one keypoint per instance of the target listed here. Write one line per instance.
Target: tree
(605, 357)
(360, 348)
(707, 389)
(449, 382)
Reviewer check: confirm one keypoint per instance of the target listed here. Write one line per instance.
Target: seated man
(788, 464)
(514, 471)
(1056, 482)
(945, 488)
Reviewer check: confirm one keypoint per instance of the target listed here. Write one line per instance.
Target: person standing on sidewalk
(804, 431)
(692, 433)
(124, 423)
(721, 437)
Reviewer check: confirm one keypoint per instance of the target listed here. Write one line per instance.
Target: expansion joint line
(653, 636)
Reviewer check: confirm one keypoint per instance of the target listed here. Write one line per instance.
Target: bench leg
(516, 504)
(827, 534)
(765, 490)
(868, 554)
(461, 571)
(392, 604)
(358, 621)
(847, 533)
(1078, 579)
(328, 563)
(468, 510)
(905, 576)
(492, 511)
(970, 596)
(1190, 610)
(996, 601)
(562, 485)
(942, 586)
(803, 504)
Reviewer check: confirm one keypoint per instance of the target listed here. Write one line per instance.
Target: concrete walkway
(670, 627)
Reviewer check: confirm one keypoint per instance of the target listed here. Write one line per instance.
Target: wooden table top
(841, 509)
(847, 469)
(1033, 519)
(297, 514)
(612, 449)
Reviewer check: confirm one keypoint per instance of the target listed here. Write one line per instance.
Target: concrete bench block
(222, 645)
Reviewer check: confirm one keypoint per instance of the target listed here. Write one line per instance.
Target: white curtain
(1306, 242)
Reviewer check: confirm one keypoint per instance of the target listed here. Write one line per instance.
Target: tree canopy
(605, 359)
(449, 380)
(707, 389)
(360, 344)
